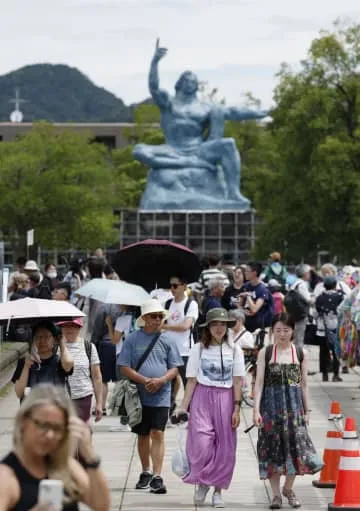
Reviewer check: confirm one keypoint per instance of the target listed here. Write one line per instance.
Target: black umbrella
(151, 263)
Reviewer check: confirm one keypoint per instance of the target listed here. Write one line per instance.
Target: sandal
(290, 495)
(276, 503)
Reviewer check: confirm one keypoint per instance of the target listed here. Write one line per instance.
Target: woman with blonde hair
(46, 433)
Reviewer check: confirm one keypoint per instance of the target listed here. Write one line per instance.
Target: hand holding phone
(179, 418)
(34, 354)
(51, 493)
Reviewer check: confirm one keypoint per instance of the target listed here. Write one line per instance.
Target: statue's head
(187, 83)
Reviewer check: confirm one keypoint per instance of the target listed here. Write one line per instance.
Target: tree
(60, 184)
(313, 196)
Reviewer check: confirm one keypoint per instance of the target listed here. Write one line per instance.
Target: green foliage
(59, 93)
(65, 187)
(59, 184)
(313, 195)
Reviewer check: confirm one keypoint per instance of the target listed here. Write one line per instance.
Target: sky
(234, 45)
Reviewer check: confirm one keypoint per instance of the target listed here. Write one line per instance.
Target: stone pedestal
(230, 234)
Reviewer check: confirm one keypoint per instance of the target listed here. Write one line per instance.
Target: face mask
(52, 274)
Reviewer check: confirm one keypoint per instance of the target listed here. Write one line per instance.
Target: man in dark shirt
(232, 292)
(326, 306)
(256, 299)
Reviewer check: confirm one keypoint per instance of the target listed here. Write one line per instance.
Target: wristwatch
(92, 464)
(237, 403)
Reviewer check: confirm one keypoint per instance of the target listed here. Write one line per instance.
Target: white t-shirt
(184, 340)
(80, 381)
(204, 364)
(245, 339)
(122, 325)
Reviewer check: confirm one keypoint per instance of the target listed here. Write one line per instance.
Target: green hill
(60, 93)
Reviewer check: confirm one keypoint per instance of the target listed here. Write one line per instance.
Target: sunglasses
(156, 316)
(175, 285)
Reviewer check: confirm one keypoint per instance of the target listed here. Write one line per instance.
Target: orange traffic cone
(347, 493)
(331, 455)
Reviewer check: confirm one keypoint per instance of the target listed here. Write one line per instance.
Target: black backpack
(194, 330)
(296, 305)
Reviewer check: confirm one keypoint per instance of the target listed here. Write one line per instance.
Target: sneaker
(292, 499)
(336, 377)
(144, 481)
(157, 485)
(345, 370)
(200, 494)
(276, 503)
(121, 428)
(217, 500)
(94, 412)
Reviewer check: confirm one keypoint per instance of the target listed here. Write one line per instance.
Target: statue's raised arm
(160, 96)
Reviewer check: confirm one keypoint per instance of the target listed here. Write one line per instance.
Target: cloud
(298, 24)
(235, 45)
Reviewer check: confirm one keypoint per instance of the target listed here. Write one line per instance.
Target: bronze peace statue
(197, 168)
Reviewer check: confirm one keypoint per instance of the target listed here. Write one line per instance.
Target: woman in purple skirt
(213, 391)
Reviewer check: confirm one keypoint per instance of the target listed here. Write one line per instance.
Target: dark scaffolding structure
(230, 234)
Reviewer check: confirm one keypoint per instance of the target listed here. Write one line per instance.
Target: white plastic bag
(179, 461)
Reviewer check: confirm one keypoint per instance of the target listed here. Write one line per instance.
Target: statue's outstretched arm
(233, 113)
(160, 97)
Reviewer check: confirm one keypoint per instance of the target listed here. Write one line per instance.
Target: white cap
(150, 307)
(31, 265)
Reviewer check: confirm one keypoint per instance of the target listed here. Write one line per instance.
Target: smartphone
(51, 491)
(35, 355)
(178, 419)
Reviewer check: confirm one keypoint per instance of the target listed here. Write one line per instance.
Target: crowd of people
(190, 336)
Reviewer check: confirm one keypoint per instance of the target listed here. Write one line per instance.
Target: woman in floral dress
(349, 327)
(281, 413)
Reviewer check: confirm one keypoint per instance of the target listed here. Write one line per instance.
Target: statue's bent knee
(229, 144)
(139, 151)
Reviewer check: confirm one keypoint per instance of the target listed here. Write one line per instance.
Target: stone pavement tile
(9, 405)
(5, 444)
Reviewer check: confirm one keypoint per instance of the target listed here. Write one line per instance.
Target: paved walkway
(247, 492)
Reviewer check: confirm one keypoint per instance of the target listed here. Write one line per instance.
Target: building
(113, 135)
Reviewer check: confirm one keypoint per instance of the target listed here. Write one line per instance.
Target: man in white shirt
(183, 314)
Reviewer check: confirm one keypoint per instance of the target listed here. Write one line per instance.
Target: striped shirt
(210, 274)
(80, 381)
